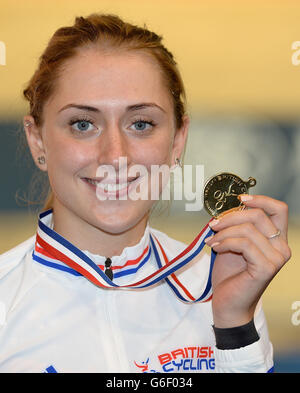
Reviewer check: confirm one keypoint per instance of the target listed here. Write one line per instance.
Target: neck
(87, 236)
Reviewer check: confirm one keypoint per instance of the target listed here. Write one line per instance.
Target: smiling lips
(113, 187)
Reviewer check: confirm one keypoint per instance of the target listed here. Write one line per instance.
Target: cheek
(157, 153)
(156, 158)
(66, 157)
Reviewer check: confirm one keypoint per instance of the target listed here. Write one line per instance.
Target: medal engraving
(221, 193)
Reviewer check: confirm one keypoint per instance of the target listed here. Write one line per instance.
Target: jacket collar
(128, 262)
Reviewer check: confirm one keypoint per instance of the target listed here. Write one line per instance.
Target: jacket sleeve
(254, 358)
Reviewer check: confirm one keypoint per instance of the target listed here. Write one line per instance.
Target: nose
(112, 145)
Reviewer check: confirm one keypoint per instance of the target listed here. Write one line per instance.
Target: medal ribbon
(62, 250)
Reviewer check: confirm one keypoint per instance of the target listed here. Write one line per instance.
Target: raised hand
(252, 247)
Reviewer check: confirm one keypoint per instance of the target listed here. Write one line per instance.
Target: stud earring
(41, 160)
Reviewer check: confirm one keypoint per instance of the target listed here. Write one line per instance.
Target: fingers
(259, 267)
(255, 216)
(248, 235)
(263, 218)
(276, 210)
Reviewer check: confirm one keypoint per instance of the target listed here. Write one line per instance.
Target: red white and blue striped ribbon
(72, 259)
(130, 267)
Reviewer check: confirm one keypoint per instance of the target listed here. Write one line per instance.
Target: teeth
(109, 187)
(91, 181)
(114, 187)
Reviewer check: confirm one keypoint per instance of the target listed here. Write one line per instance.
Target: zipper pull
(108, 271)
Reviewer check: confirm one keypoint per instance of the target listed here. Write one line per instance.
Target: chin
(116, 223)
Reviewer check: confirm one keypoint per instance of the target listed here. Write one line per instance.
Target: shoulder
(15, 255)
(13, 274)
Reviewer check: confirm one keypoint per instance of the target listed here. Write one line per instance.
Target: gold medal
(221, 193)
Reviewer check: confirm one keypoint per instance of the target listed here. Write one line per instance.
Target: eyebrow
(128, 108)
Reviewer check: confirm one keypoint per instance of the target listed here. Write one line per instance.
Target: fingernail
(214, 244)
(245, 197)
(208, 238)
(214, 222)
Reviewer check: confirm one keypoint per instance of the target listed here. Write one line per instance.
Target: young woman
(85, 293)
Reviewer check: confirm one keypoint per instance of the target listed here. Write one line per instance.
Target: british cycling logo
(181, 359)
(144, 367)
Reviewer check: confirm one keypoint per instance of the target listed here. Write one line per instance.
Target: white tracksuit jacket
(54, 321)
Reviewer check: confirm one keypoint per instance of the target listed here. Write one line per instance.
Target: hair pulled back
(108, 32)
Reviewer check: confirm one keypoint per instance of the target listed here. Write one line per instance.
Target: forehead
(123, 76)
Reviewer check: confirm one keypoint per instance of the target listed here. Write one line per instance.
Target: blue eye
(141, 125)
(82, 125)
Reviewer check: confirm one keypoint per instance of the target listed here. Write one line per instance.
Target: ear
(35, 142)
(180, 138)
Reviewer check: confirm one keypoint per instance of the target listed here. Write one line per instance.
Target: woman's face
(108, 106)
